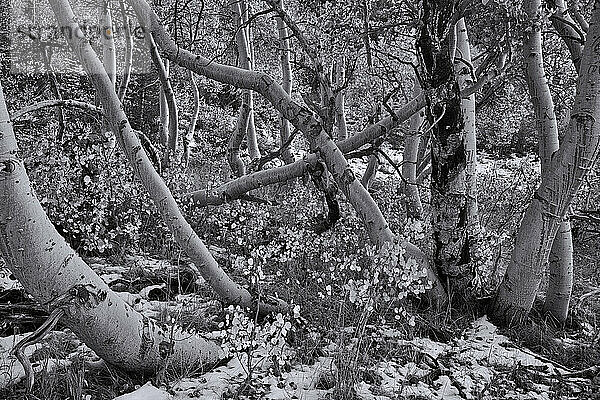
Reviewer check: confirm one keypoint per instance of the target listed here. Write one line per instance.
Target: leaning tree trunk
(561, 254)
(54, 274)
(183, 233)
(303, 119)
(449, 207)
(414, 207)
(560, 181)
(466, 78)
(286, 71)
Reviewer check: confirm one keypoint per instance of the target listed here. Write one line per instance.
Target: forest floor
(478, 363)
(445, 356)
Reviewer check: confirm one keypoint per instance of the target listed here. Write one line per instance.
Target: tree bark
(302, 118)
(49, 269)
(183, 233)
(451, 254)
(560, 181)
(414, 207)
(187, 139)
(286, 71)
(238, 168)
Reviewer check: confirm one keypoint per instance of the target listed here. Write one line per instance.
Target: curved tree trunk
(303, 119)
(561, 256)
(560, 181)
(237, 137)
(560, 277)
(183, 233)
(53, 103)
(49, 269)
(414, 207)
(241, 129)
(286, 71)
(187, 139)
(466, 78)
(169, 114)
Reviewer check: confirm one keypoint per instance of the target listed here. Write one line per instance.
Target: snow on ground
(12, 371)
(481, 364)
(469, 368)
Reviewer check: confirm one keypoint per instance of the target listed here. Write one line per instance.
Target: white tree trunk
(164, 111)
(565, 26)
(414, 207)
(48, 268)
(560, 181)
(189, 137)
(465, 78)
